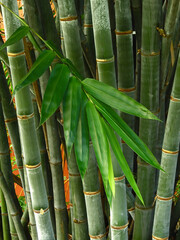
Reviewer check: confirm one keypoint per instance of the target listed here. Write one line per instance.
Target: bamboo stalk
(69, 24)
(12, 208)
(4, 216)
(169, 158)
(11, 122)
(27, 129)
(149, 96)
(53, 143)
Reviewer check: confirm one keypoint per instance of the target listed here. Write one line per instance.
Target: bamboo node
(14, 234)
(138, 51)
(74, 174)
(119, 178)
(50, 198)
(120, 227)
(123, 32)
(70, 204)
(127, 89)
(4, 154)
(79, 221)
(170, 152)
(107, 60)
(4, 214)
(131, 209)
(20, 167)
(10, 120)
(62, 38)
(144, 208)
(33, 166)
(60, 209)
(98, 236)
(25, 117)
(32, 224)
(174, 99)
(70, 18)
(161, 32)
(152, 54)
(92, 193)
(69, 236)
(42, 151)
(158, 238)
(88, 25)
(55, 163)
(41, 211)
(14, 214)
(163, 198)
(15, 54)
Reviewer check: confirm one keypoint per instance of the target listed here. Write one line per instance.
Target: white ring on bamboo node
(174, 99)
(25, 117)
(107, 60)
(70, 18)
(170, 152)
(33, 166)
(15, 54)
(157, 238)
(120, 227)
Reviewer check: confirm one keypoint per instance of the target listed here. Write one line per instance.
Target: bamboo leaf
(16, 36)
(71, 111)
(121, 159)
(116, 99)
(127, 134)
(39, 67)
(81, 144)
(100, 144)
(110, 170)
(55, 90)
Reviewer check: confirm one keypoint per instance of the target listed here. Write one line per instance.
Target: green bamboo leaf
(127, 134)
(100, 144)
(55, 90)
(81, 144)
(39, 67)
(71, 111)
(110, 170)
(116, 99)
(121, 159)
(16, 36)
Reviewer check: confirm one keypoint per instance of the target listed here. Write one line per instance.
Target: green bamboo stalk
(11, 122)
(92, 195)
(124, 42)
(169, 25)
(88, 27)
(25, 217)
(77, 197)
(12, 208)
(5, 164)
(169, 158)
(32, 222)
(69, 24)
(150, 62)
(27, 129)
(53, 142)
(106, 70)
(4, 216)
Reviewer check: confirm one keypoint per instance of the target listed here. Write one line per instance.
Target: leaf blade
(71, 111)
(116, 99)
(121, 159)
(16, 36)
(55, 90)
(39, 67)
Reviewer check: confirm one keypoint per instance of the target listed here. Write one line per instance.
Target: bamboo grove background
(129, 45)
